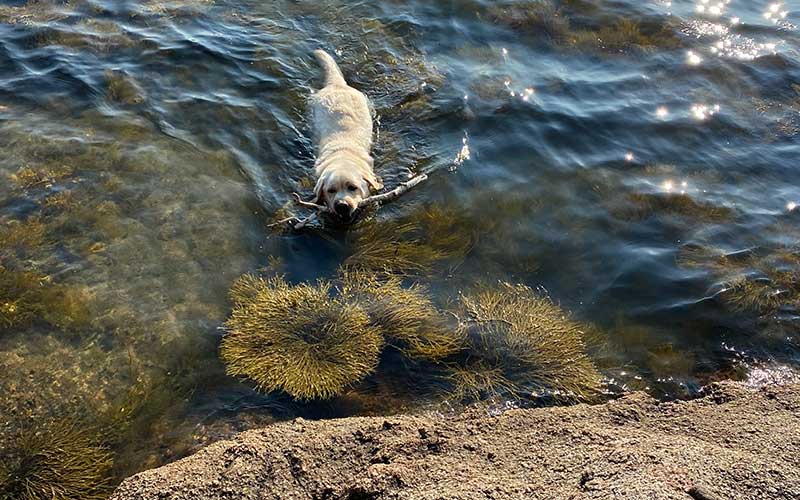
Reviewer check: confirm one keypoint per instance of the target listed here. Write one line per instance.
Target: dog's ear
(319, 190)
(373, 181)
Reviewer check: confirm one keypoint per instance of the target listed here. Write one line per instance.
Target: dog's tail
(333, 75)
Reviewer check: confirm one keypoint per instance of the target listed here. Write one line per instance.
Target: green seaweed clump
(298, 339)
(30, 177)
(412, 245)
(761, 280)
(405, 316)
(27, 234)
(625, 36)
(523, 342)
(641, 206)
(562, 27)
(58, 461)
(536, 17)
(123, 89)
(27, 296)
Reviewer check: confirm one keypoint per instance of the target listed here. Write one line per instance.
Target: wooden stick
(308, 204)
(297, 223)
(380, 199)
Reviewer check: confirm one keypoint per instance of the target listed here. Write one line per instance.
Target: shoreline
(734, 442)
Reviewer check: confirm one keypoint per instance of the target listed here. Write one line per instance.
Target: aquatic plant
(123, 89)
(413, 244)
(520, 339)
(641, 206)
(762, 295)
(298, 339)
(667, 360)
(558, 25)
(538, 17)
(28, 177)
(405, 315)
(27, 296)
(760, 280)
(625, 35)
(60, 460)
(478, 379)
(22, 235)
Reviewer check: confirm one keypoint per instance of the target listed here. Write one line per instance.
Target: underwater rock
(59, 460)
(298, 339)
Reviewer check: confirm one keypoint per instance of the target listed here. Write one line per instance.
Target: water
(632, 159)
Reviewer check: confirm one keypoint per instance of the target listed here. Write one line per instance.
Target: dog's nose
(342, 209)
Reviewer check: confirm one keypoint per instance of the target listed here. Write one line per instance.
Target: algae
(416, 244)
(298, 338)
(642, 206)
(59, 460)
(535, 343)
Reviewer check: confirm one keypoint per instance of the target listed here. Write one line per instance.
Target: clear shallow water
(147, 145)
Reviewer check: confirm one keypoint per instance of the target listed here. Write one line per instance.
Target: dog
(342, 123)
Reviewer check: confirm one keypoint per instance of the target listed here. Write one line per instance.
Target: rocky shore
(735, 442)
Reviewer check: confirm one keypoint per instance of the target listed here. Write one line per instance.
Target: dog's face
(342, 187)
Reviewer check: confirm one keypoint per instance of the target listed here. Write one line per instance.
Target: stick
(380, 199)
(308, 204)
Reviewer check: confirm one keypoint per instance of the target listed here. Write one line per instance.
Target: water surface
(629, 158)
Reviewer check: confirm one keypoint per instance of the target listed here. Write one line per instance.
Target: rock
(635, 447)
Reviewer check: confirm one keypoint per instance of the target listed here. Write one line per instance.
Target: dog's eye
(351, 188)
(332, 190)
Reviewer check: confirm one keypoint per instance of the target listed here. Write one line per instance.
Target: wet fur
(343, 140)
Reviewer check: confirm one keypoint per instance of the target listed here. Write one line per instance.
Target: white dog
(343, 129)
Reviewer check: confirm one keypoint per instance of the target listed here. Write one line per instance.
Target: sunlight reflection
(711, 8)
(693, 59)
(702, 112)
(662, 112)
(791, 206)
(463, 155)
(629, 157)
(525, 94)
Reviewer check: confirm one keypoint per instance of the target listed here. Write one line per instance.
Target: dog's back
(342, 118)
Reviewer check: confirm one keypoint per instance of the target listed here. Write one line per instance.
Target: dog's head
(342, 186)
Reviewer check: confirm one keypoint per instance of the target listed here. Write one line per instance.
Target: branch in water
(380, 199)
(297, 223)
(308, 204)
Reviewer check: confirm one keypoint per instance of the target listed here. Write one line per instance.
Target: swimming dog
(343, 139)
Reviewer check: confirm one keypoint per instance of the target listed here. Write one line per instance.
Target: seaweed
(29, 177)
(642, 206)
(59, 460)
(298, 338)
(561, 26)
(412, 245)
(519, 340)
(406, 316)
(123, 89)
(538, 17)
(26, 296)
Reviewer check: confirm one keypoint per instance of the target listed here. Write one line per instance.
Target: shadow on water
(630, 163)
